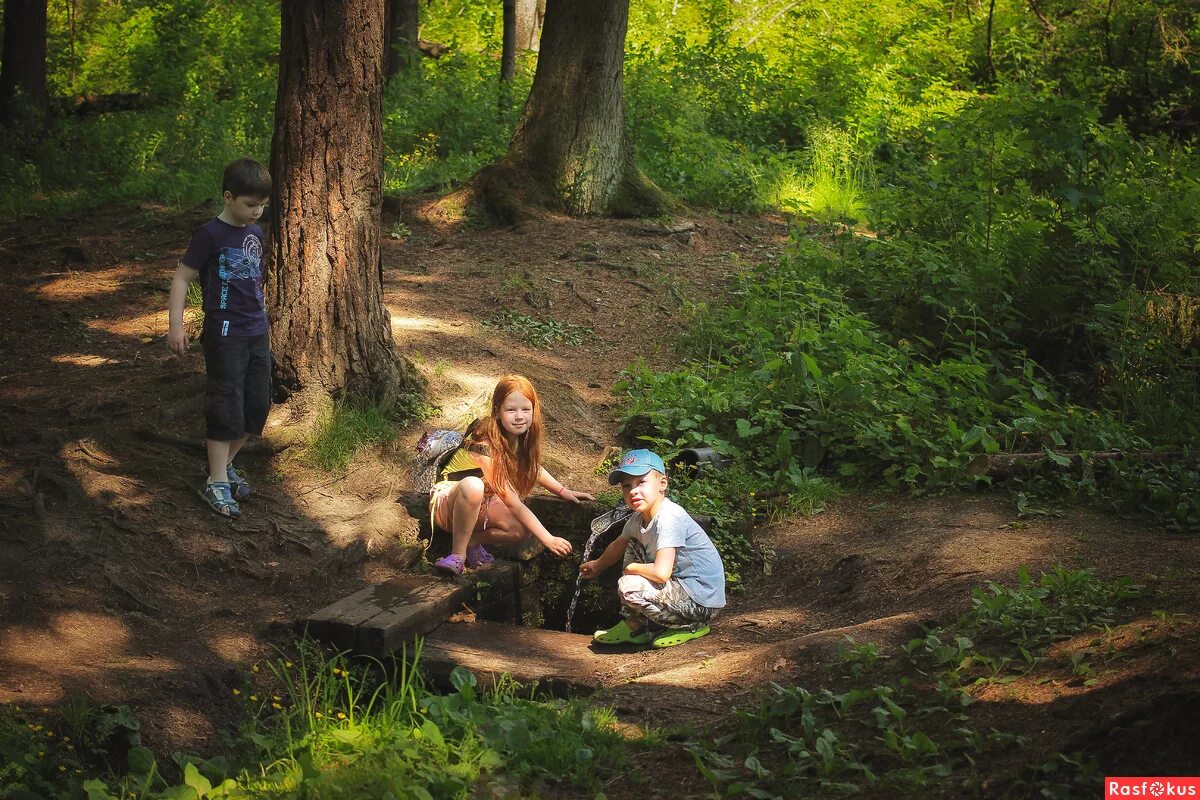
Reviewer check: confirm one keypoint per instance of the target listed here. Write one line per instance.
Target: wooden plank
(490, 649)
(378, 619)
(426, 607)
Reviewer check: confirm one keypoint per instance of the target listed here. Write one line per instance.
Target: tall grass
(322, 725)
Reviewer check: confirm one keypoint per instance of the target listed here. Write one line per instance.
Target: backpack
(433, 452)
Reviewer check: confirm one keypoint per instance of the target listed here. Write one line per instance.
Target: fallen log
(1008, 465)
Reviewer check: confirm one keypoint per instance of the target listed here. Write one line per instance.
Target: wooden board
(379, 619)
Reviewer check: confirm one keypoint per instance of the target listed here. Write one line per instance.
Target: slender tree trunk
(400, 46)
(330, 330)
(529, 14)
(23, 62)
(522, 29)
(570, 149)
(508, 49)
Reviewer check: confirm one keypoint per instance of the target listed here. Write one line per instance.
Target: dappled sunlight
(193, 727)
(1095, 660)
(979, 548)
(75, 641)
(83, 285)
(464, 394)
(152, 323)
(233, 647)
(419, 323)
(84, 360)
(87, 461)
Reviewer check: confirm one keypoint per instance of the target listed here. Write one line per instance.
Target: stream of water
(599, 525)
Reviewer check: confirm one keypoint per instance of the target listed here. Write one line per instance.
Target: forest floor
(116, 582)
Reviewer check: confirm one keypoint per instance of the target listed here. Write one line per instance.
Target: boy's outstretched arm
(611, 555)
(176, 335)
(660, 571)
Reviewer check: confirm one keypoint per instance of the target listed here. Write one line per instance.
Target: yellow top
(461, 461)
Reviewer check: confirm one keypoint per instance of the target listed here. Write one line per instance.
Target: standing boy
(225, 254)
(673, 576)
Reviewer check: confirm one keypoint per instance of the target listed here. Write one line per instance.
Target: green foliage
(351, 423)
(320, 726)
(539, 333)
(787, 377)
(916, 733)
(1060, 604)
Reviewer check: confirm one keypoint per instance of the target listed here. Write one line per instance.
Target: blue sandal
(237, 484)
(220, 499)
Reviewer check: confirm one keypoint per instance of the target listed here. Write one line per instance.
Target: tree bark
(529, 15)
(400, 46)
(522, 30)
(331, 331)
(570, 150)
(508, 47)
(23, 62)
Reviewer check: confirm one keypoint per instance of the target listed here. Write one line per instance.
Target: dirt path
(115, 582)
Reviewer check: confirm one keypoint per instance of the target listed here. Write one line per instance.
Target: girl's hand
(559, 546)
(573, 496)
(588, 569)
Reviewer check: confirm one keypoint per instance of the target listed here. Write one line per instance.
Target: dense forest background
(1008, 193)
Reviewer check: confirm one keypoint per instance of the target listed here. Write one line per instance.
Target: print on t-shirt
(229, 260)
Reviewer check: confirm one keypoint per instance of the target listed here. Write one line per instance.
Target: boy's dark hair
(246, 178)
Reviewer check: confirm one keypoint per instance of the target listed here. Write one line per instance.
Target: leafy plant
(539, 333)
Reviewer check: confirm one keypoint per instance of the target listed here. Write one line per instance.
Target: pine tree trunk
(330, 330)
(23, 61)
(572, 135)
(400, 46)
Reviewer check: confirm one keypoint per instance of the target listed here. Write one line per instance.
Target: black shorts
(237, 396)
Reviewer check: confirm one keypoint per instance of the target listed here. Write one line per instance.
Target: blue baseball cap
(635, 463)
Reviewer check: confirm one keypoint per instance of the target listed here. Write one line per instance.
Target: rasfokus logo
(1151, 787)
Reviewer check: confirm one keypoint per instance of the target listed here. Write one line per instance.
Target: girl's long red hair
(516, 467)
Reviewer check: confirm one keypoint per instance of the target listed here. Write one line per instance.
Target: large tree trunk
(570, 150)
(400, 44)
(23, 62)
(330, 330)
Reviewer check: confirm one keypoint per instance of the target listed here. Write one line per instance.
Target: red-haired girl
(480, 498)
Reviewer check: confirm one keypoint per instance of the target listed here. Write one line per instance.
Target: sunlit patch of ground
(89, 285)
(153, 323)
(83, 360)
(233, 647)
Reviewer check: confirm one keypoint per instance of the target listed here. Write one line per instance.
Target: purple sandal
(478, 556)
(451, 564)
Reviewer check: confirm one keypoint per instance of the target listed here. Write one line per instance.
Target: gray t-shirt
(698, 565)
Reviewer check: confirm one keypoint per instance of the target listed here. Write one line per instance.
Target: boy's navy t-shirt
(229, 260)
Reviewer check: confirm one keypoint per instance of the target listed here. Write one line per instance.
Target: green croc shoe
(621, 633)
(672, 638)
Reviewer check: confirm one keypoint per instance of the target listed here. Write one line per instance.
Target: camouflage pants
(661, 605)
